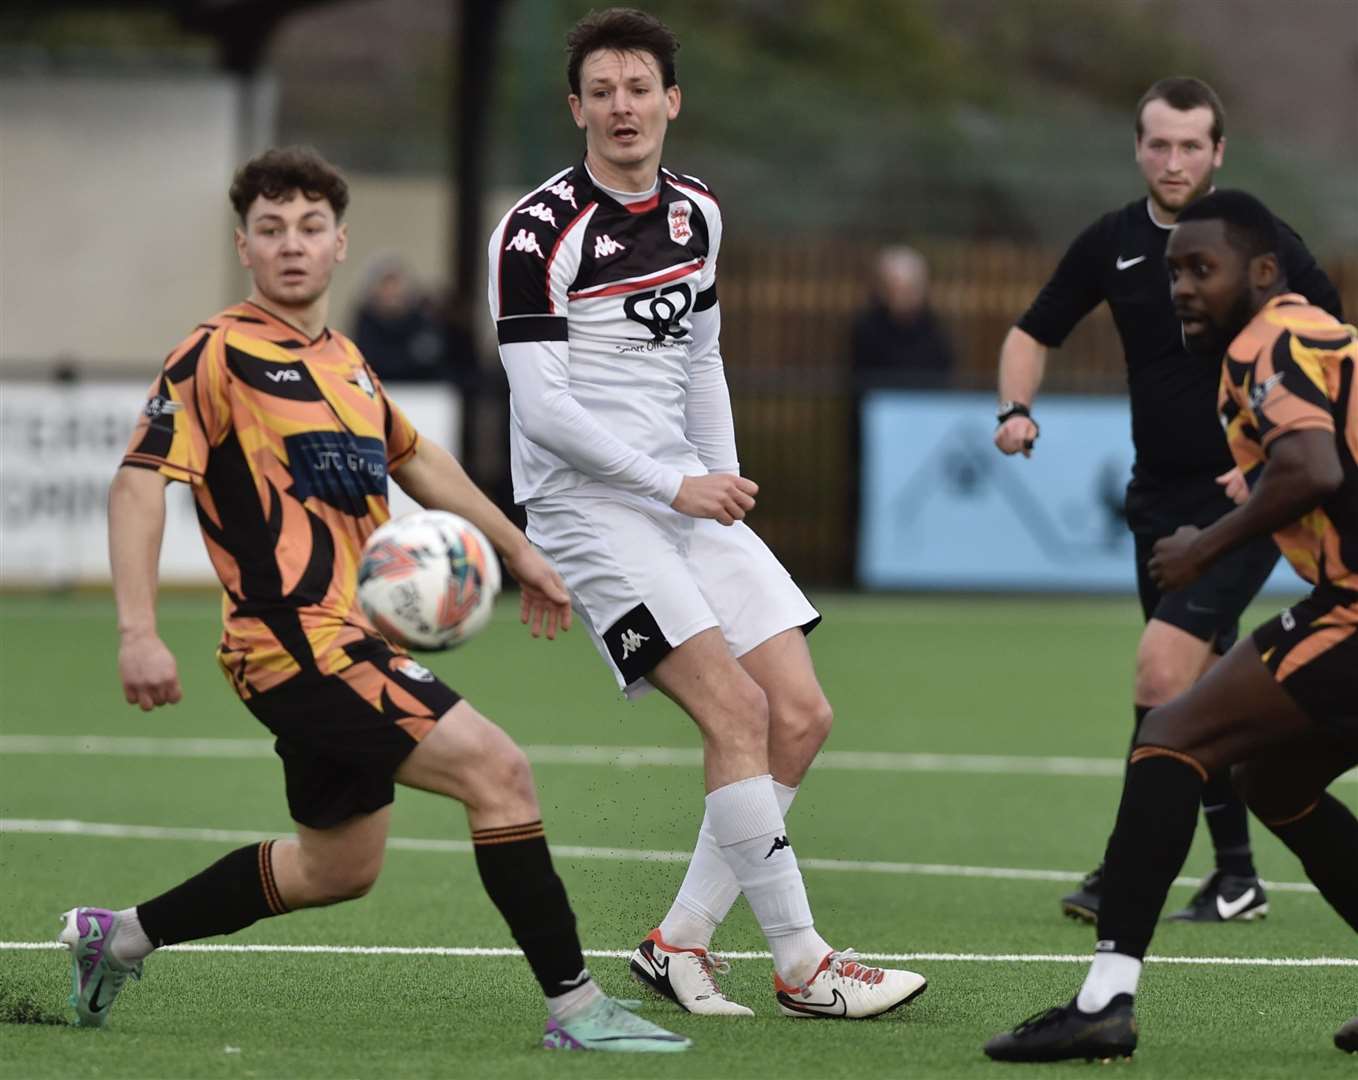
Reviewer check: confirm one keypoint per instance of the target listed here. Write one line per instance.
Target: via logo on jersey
(661, 311)
(284, 375)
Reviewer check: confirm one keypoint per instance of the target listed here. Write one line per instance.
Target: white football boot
(844, 988)
(685, 976)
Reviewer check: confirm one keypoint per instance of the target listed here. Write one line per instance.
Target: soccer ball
(428, 580)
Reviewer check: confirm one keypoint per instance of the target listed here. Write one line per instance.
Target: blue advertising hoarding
(943, 509)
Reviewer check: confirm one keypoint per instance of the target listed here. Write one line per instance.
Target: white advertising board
(60, 444)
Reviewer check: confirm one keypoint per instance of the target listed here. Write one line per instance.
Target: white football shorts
(646, 578)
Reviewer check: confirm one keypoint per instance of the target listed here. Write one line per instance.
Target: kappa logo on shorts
(631, 642)
(635, 643)
(412, 669)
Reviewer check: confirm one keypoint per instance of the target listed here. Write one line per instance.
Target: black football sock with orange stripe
(232, 893)
(1325, 839)
(516, 870)
(1150, 842)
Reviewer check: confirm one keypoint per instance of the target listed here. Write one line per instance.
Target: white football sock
(1109, 975)
(130, 943)
(749, 831)
(709, 889)
(564, 1006)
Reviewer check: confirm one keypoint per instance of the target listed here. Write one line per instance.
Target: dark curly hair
(281, 172)
(620, 30)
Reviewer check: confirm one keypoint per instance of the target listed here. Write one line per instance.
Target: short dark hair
(1251, 227)
(1183, 92)
(620, 30)
(282, 172)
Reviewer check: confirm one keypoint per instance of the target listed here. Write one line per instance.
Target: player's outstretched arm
(136, 525)
(1302, 470)
(1023, 359)
(436, 480)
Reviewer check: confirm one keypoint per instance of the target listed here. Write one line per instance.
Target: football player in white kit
(603, 290)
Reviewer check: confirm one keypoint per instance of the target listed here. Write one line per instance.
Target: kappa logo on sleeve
(526, 242)
(542, 212)
(565, 192)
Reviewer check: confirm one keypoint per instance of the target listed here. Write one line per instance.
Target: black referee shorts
(1211, 607)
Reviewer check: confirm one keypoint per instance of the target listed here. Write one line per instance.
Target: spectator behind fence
(393, 328)
(897, 339)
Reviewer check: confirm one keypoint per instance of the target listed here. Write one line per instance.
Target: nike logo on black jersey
(1123, 264)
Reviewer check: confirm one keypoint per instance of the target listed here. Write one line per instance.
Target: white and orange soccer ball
(428, 580)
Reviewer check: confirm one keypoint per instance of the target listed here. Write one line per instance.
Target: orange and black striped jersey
(1291, 369)
(287, 443)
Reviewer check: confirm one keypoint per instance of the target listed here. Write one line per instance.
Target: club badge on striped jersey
(681, 230)
(361, 380)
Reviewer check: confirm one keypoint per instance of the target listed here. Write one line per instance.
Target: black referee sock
(1326, 841)
(229, 895)
(1150, 842)
(516, 870)
(1140, 712)
(1228, 822)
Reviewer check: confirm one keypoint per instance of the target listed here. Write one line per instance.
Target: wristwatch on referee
(1010, 409)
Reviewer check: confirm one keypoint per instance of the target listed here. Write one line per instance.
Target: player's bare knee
(498, 778)
(737, 722)
(511, 773)
(1159, 678)
(804, 723)
(335, 880)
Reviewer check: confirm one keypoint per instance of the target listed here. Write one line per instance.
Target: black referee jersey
(1121, 259)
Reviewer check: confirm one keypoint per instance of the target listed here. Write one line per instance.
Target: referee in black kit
(1183, 473)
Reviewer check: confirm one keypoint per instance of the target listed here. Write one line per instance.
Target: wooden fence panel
(787, 309)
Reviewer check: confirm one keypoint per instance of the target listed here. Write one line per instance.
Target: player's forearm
(708, 421)
(550, 417)
(1301, 472)
(436, 480)
(136, 526)
(1023, 359)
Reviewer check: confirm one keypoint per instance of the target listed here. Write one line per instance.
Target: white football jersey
(606, 296)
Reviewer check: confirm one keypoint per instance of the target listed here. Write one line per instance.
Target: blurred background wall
(983, 133)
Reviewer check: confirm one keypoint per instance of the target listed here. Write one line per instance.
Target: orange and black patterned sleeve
(401, 436)
(1294, 397)
(186, 411)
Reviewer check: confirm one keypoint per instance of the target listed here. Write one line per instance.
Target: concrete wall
(113, 217)
(115, 230)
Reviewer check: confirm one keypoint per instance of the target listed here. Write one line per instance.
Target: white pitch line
(68, 827)
(621, 757)
(622, 954)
